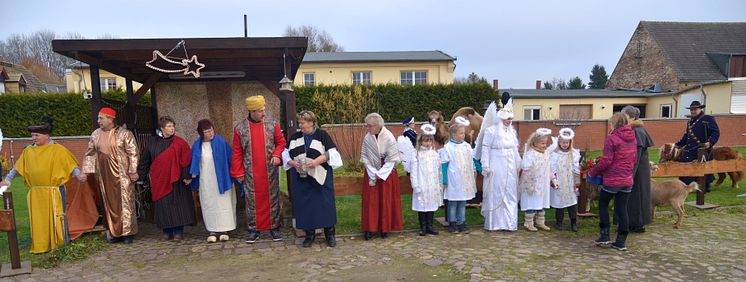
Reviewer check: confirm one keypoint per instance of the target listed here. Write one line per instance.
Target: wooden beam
(147, 85)
(107, 65)
(272, 86)
(193, 44)
(95, 96)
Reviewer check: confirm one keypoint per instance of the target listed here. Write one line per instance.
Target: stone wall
(643, 64)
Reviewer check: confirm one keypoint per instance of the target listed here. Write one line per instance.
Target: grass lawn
(80, 248)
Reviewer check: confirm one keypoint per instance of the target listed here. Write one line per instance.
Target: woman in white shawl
(497, 149)
(381, 208)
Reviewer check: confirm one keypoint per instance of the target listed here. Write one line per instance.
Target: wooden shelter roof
(260, 58)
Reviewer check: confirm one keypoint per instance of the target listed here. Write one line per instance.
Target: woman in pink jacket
(617, 168)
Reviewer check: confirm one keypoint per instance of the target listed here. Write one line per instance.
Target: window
(532, 112)
(666, 111)
(108, 84)
(309, 78)
(361, 77)
(413, 77)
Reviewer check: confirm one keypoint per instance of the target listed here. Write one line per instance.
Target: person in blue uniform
(409, 131)
(701, 132)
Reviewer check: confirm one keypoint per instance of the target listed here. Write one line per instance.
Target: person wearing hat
(497, 149)
(407, 143)
(409, 130)
(257, 152)
(702, 131)
(45, 167)
(112, 155)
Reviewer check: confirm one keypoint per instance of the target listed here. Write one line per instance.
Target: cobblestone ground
(711, 246)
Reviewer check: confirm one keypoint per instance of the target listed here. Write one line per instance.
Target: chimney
(538, 84)
(495, 84)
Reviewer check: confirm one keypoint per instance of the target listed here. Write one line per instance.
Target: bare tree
(36, 48)
(318, 40)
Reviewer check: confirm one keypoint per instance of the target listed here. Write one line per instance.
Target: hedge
(344, 103)
(70, 112)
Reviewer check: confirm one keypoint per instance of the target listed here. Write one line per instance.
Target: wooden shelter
(263, 61)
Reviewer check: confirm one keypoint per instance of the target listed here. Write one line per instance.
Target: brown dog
(671, 193)
(724, 154)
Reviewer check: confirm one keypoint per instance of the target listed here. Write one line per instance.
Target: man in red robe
(257, 152)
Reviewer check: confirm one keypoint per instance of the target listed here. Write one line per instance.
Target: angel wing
(406, 150)
(490, 118)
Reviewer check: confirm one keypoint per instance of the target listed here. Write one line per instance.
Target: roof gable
(686, 45)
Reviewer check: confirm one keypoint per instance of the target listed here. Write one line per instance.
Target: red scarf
(166, 168)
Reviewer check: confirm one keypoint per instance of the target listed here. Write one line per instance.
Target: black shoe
(429, 224)
(621, 238)
(276, 235)
(603, 238)
(574, 226)
(127, 240)
(253, 236)
(310, 237)
(463, 229)
(329, 234)
(452, 227)
(384, 235)
(558, 225)
(422, 217)
(637, 229)
(367, 235)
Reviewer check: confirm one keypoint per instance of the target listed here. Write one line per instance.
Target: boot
(367, 235)
(452, 227)
(422, 218)
(540, 221)
(463, 229)
(429, 223)
(573, 211)
(621, 237)
(310, 237)
(603, 238)
(529, 222)
(329, 233)
(559, 216)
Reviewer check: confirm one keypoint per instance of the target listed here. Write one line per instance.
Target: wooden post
(583, 197)
(702, 181)
(95, 95)
(15, 255)
(16, 266)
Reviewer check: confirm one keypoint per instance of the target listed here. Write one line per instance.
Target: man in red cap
(113, 156)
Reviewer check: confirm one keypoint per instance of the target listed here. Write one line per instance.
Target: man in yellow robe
(45, 167)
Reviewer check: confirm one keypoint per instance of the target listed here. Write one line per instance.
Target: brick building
(678, 55)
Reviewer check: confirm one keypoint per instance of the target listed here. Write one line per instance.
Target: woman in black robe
(166, 159)
(639, 204)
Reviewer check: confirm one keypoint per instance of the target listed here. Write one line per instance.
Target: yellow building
(405, 67)
(78, 79)
(721, 97)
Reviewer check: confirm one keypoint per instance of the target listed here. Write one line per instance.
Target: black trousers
(572, 211)
(620, 210)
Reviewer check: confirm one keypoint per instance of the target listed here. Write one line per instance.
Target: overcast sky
(516, 43)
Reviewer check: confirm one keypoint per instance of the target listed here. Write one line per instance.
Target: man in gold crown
(257, 152)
